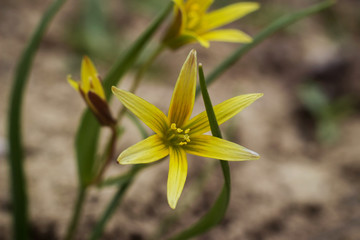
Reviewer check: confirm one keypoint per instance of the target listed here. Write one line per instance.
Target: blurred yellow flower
(192, 23)
(90, 88)
(177, 134)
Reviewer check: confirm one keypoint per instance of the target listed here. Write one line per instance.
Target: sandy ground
(299, 189)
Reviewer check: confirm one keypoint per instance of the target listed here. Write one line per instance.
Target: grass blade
(16, 153)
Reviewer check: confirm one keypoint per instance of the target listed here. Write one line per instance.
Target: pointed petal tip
(193, 52)
(73, 83)
(116, 91)
(113, 89)
(255, 155)
(192, 57)
(256, 6)
(172, 205)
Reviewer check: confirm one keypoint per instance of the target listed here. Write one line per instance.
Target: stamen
(178, 136)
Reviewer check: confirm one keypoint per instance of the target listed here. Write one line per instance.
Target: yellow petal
(90, 78)
(213, 147)
(227, 35)
(227, 15)
(223, 112)
(183, 98)
(73, 83)
(197, 38)
(177, 175)
(149, 150)
(153, 117)
(199, 5)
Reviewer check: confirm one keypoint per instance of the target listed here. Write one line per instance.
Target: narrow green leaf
(218, 210)
(16, 153)
(274, 27)
(87, 135)
(86, 149)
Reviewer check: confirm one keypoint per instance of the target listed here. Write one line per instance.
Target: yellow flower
(91, 90)
(177, 134)
(192, 23)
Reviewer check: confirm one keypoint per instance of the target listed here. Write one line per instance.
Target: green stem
(110, 210)
(109, 155)
(16, 153)
(76, 213)
(140, 74)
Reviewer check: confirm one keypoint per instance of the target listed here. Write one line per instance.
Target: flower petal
(223, 112)
(227, 35)
(183, 98)
(153, 117)
(90, 78)
(200, 5)
(213, 147)
(149, 150)
(73, 83)
(196, 38)
(177, 175)
(227, 15)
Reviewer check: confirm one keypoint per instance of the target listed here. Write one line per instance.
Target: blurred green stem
(115, 201)
(16, 152)
(76, 213)
(140, 74)
(109, 154)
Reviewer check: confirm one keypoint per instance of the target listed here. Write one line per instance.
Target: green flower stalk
(177, 134)
(193, 23)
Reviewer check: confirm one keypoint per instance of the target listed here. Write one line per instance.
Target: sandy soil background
(301, 188)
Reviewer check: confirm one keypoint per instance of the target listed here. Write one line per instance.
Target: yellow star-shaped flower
(192, 23)
(177, 134)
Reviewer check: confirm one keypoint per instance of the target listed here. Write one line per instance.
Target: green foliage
(86, 150)
(16, 151)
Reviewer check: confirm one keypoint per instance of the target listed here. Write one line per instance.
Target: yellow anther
(179, 130)
(173, 126)
(182, 143)
(187, 130)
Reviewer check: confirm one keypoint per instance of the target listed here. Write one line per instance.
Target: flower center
(193, 16)
(177, 136)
